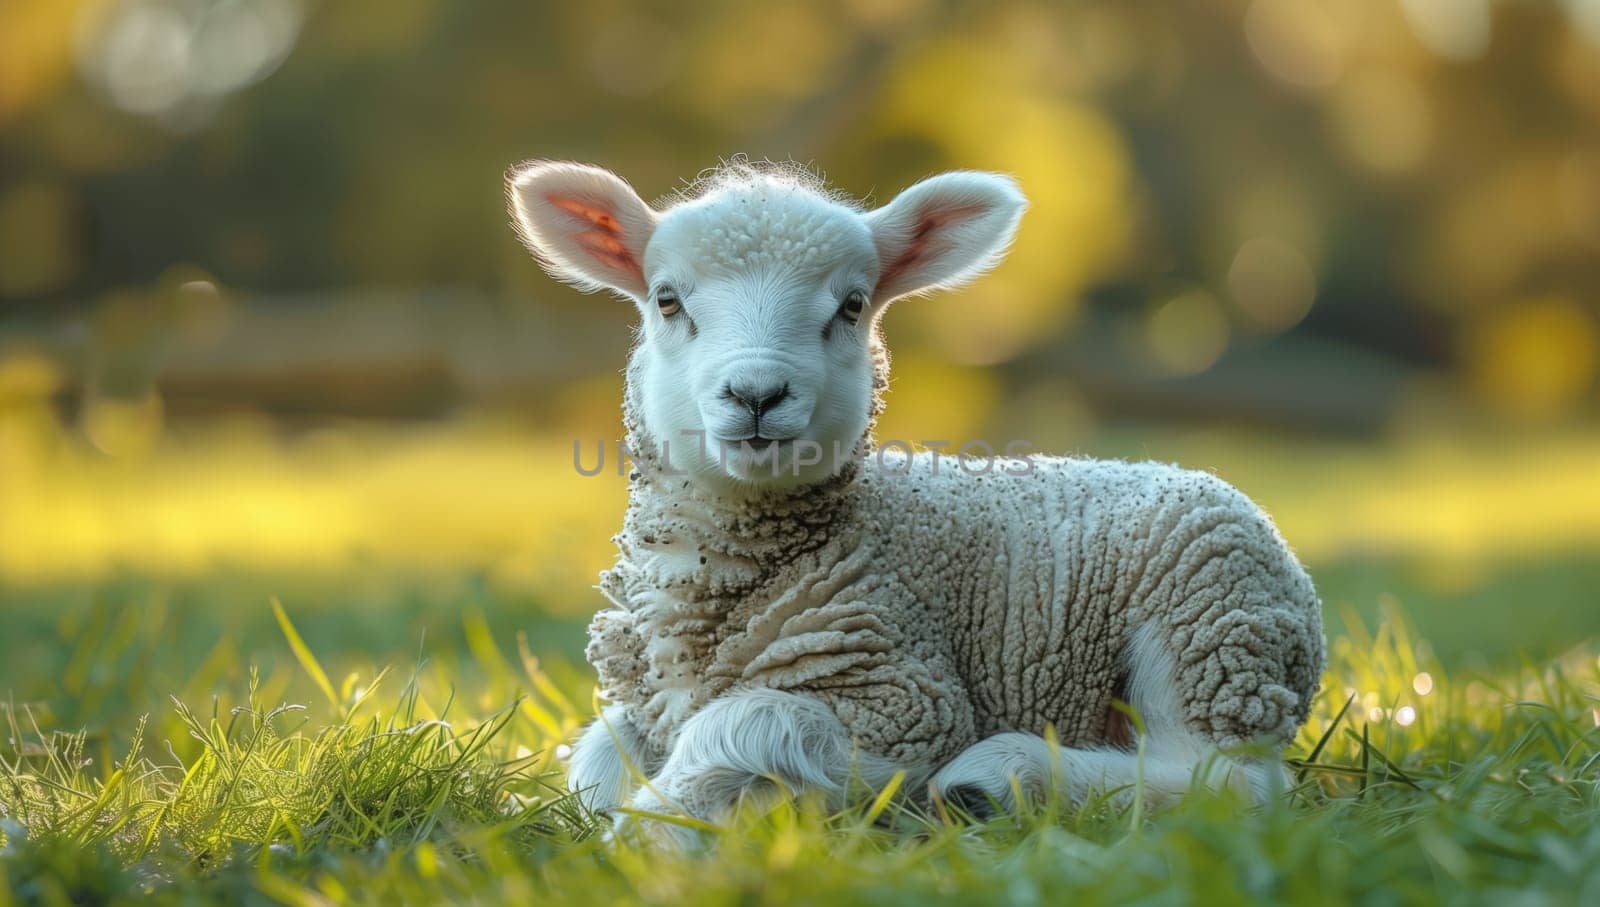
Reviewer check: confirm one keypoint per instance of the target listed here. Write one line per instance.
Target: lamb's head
(760, 294)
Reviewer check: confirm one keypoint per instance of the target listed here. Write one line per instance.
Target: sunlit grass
(499, 498)
(314, 784)
(467, 495)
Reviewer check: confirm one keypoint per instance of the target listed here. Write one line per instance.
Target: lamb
(792, 607)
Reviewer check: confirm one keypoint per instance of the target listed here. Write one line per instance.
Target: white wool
(853, 618)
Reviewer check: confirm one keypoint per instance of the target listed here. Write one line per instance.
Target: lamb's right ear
(584, 224)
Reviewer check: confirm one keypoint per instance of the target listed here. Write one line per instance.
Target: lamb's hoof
(972, 800)
(657, 833)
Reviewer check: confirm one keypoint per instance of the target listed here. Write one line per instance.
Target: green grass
(174, 741)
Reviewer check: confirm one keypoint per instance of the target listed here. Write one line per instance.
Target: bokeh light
(1299, 41)
(156, 57)
(1188, 333)
(1586, 16)
(1422, 683)
(1271, 283)
(1455, 29)
(1384, 118)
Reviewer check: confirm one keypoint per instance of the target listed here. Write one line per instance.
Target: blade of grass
(302, 654)
(881, 802)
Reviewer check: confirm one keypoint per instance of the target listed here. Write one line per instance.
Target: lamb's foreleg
(753, 742)
(599, 771)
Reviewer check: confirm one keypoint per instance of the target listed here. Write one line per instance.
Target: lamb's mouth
(758, 443)
(758, 457)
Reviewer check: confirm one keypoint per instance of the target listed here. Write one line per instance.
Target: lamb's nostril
(757, 400)
(773, 399)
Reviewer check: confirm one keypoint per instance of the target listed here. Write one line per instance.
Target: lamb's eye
(667, 300)
(852, 307)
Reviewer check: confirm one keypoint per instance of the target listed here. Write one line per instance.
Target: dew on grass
(1422, 683)
(1405, 716)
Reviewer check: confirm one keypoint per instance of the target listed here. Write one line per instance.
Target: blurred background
(264, 328)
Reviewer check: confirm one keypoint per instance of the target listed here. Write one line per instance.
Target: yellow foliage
(932, 400)
(991, 109)
(35, 49)
(1534, 360)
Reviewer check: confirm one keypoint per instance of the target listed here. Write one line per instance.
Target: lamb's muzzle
(779, 621)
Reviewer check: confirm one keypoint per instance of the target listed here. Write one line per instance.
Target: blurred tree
(1209, 179)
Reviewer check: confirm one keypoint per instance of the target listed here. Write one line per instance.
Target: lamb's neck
(709, 551)
(705, 546)
(762, 527)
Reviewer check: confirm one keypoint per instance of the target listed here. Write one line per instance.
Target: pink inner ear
(603, 240)
(927, 238)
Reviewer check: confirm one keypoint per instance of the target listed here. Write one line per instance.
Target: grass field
(1460, 768)
(397, 736)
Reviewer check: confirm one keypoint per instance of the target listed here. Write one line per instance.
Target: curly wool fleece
(930, 608)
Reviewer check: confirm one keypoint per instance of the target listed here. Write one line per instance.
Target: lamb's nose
(757, 398)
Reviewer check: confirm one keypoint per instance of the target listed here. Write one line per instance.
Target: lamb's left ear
(584, 224)
(944, 231)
